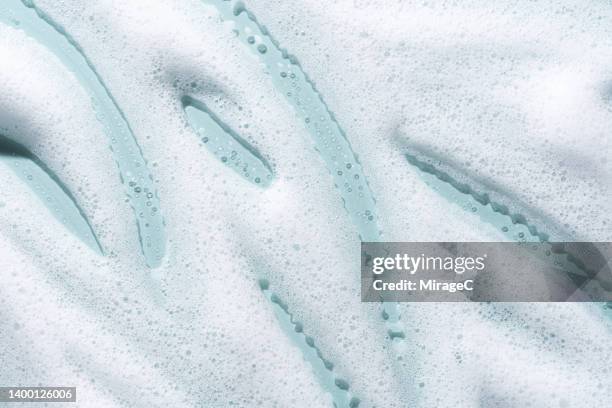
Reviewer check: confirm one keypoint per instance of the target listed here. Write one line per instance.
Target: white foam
(474, 83)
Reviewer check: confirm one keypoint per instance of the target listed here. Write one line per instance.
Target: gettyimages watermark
(486, 272)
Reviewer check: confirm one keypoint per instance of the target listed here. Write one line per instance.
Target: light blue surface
(226, 144)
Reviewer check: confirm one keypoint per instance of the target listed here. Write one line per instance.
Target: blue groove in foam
(323, 368)
(140, 187)
(329, 139)
(226, 144)
(51, 191)
(513, 226)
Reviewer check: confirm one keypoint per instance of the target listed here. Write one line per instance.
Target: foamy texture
(515, 94)
(473, 86)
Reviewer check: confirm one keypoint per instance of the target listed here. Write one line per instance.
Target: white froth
(506, 92)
